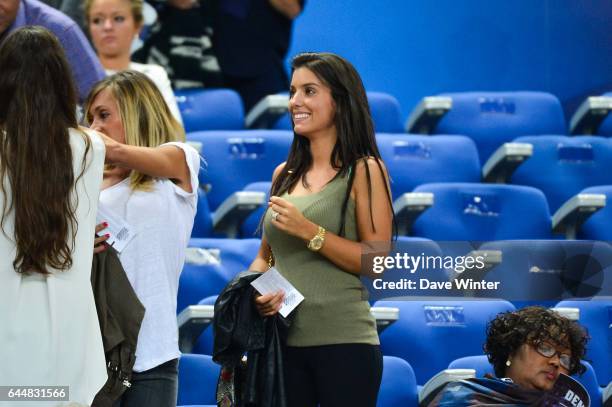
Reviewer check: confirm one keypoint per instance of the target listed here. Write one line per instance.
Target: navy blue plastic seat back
(482, 212)
(412, 160)
(422, 333)
(494, 118)
(562, 166)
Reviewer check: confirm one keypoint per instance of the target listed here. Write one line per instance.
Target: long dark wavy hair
(354, 128)
(37, 107)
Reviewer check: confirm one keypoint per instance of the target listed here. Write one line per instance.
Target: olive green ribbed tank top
(335, 308)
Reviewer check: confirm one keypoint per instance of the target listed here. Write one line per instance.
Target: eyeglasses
(548, 351)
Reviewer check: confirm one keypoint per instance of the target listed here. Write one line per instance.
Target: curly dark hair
(510, 330)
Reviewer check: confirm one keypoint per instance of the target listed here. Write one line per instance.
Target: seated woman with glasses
(528, 349)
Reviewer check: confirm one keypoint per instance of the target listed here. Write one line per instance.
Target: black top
(249, 46)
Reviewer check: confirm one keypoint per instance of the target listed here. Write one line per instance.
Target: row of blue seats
(437, 320)
(198, 375)
(559, 166)
(418, 345)
(489, 118)
(528, 270)
(198, 379)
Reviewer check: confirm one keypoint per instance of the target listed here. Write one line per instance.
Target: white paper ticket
(271, 282)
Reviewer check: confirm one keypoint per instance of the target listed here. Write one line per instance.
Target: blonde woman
(113, 26)
(151, 183)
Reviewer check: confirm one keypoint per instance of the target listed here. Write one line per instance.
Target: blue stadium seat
(210, 109)
(482, 212)
(202, 223)
(197, 380)
(398, 387)
(494, 118)
(385, 110)
(422, 333)
(251, 224)
(480, 363)
(562, 166)
(204, 344)
(235, 255)
(597, 227)
(386, 113)
(596, 316)
(543, 272)
(199, 281)
(234, 160)
(482, 366)
(413, 160)
(238, 158)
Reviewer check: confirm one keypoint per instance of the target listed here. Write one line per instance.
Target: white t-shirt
(159, 76)
(162, 219)
(49, 331)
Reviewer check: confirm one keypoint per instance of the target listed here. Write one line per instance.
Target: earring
(508, 363)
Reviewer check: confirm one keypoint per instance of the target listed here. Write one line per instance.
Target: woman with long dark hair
(329, 197)
(50, 175)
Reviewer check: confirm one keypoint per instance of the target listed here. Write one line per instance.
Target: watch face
(317, 243)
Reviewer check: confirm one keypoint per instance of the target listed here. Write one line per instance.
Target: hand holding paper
(272, 282)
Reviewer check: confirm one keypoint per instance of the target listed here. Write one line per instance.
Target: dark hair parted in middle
(353, 123)
(532, 325)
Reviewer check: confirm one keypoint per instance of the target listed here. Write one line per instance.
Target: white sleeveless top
(162, 219)
(49, 331)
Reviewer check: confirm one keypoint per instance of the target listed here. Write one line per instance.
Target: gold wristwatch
(317, 241)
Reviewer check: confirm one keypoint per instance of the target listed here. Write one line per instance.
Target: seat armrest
(267, 111)
(573, 314)
(385, 316)
(199, 256)
(409, 206)
(499, 167)
(575, 211)
(607, 395)
(191, 322)
(230, 215)
(427, 114)
(590, 114)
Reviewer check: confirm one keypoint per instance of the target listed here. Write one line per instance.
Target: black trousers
(345, 375)
(156, 387)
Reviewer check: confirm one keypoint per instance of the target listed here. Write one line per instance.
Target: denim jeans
(157, 387)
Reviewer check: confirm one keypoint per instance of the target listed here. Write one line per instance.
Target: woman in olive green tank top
(330, 195)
